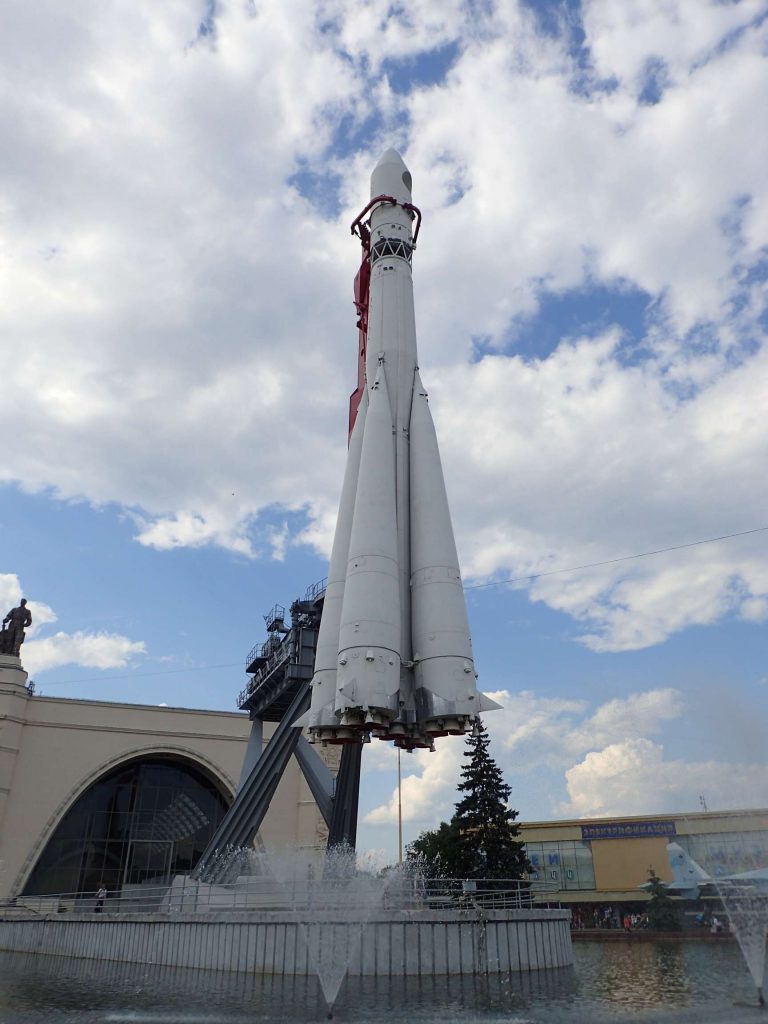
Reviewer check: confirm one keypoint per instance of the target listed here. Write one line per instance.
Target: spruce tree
(482, 838)
(488, 843)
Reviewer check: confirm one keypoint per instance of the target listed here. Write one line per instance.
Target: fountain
(744, 898)
(331, 897)
(747, 908)
(300, 914)
(319, 889)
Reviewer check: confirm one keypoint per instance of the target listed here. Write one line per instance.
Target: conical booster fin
(368, 670)
(446, 694)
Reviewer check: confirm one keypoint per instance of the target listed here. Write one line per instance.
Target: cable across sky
(474, 586)
(613, 561)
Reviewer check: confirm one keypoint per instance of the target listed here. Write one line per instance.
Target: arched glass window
(141, 824)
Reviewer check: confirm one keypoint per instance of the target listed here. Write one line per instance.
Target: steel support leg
(253, 751)
(243, 819)
(318, 777)
(343, 828)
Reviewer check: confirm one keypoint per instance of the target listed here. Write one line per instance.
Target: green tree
(662, 912)
(488, 835)
(482, 838)
(436, 850)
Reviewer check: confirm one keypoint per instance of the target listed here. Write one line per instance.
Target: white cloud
(626, 34)
(529, 734)
(541, 730)
(640, 712)
(533, 728)
(382, 757)
(278, 538)
(180, 313)
(754, 609)
(10, 595)
(602, 757)
(426, 793)
(90, 650)
(155, 311)
(377, 30)
(190, 530)
(578, 459)
(633, 777)
(641, 198)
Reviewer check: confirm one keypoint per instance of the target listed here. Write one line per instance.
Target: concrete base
(392, 943)
(12, 671)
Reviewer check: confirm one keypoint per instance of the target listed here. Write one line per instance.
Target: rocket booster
(394, 655)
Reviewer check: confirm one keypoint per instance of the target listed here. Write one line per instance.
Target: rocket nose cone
(391, 177)
(391, 156)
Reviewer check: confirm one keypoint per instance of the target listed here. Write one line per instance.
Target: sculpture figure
(14, 624)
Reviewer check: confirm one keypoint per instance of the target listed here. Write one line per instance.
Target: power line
(143, 675)
(613, 561)
(475, 586)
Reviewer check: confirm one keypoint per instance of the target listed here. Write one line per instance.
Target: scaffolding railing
(275, 619)
(316, 589)
(274, 654)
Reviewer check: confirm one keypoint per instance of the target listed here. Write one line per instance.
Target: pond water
(644, 982)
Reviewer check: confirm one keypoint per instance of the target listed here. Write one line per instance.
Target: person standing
(101, 895)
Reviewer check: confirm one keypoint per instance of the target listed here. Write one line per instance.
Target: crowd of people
(607, 916)
(706, 919)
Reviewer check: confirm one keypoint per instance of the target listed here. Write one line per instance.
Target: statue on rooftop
(14, 624)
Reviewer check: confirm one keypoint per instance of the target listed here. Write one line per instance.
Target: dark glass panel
(144, 822)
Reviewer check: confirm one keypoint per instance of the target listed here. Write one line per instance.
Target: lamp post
(399, 809)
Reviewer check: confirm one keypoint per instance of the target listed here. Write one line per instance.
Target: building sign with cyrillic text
(628, 830)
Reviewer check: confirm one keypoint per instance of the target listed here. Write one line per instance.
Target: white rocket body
(394, 655)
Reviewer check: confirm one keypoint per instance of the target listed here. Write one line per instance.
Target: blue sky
(179, 344)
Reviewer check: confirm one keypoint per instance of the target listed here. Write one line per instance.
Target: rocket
(394, 655)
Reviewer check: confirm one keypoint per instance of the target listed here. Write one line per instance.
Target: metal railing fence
(324, 894)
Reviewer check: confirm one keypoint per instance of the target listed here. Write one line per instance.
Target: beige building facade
(605, 860)
(54, 752)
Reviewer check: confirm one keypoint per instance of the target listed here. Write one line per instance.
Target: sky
(178, 345)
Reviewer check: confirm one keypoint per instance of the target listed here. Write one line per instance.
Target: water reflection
(685, 983)
(637, 975)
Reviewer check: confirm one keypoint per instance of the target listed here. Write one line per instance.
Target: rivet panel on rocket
(394, 656)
